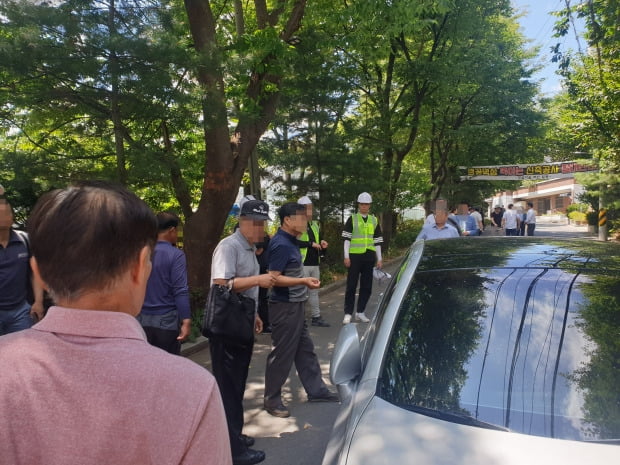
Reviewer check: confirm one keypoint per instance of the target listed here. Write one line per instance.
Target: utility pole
(602, 215)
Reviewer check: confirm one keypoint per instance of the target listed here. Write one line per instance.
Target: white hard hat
(305, 200)
(364, 197)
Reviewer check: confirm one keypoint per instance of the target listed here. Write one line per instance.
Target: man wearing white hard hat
(312, 248)
(362, 250)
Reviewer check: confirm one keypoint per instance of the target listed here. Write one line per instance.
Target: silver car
(486, 351)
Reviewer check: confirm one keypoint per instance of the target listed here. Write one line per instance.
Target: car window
(369, 337)
(411, 259)
(529, 349)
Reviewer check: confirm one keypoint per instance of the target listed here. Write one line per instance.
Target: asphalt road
(301, 439)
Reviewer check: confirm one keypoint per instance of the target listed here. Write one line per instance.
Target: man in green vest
(312, 248)
(362, 250)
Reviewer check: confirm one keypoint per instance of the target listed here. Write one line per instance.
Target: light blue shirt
(432, 231)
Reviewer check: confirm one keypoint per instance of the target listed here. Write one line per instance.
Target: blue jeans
(15, 320)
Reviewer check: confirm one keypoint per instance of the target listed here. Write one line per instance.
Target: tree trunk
(226, 157)
(181, 191)
(115, 112)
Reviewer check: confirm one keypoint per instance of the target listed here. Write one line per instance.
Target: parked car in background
(492, 351)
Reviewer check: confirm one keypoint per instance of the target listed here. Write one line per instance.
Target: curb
(190, 348)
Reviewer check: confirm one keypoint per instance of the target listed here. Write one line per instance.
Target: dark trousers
(530, 229)
(230, 366)
(512, 232)
(263, 306)
(165, 339)
(291, 344)
(360, 270)
(162, 330)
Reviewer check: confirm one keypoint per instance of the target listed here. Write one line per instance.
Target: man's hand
(324, 244)
(312, 283)
(379, 264)
(347, 262)
(316, 246)
(37, 311)
(266, 281)
(186, 328)
(258, 324)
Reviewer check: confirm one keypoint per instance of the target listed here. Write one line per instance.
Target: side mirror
(346, 364)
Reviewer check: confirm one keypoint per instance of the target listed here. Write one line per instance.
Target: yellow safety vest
(305, 236)
(362, 238)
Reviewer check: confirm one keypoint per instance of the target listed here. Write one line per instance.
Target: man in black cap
(291, 342)
(234, 264)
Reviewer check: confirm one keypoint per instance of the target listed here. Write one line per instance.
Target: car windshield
(527, 343)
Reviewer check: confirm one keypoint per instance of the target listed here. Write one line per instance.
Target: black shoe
(280, 411)
(327, 397)
(247, 440)
(249, 457)
(318, 321)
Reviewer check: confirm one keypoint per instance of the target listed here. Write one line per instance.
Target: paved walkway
(549, 226)
(301, 438)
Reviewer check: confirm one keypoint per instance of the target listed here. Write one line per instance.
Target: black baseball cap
(255, 210)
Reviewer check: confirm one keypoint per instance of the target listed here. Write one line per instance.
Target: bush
(197, 302)
(577, 216)
(332, 265)
(332, 233)
(406, 233)
(577, 207)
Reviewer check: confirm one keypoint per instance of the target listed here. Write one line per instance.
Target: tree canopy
(175, 99)
(589, 111)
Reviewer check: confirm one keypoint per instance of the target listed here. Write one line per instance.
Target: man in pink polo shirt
(83, 386)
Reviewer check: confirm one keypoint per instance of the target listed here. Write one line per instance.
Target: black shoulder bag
(229, 316)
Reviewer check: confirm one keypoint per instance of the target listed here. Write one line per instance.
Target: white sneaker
(362, 317)
(347, 320)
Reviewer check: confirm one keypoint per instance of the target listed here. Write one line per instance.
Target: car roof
(521, 252)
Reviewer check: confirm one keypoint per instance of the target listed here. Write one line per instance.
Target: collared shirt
(167, 289)
(477, 217)
(530, 217)
(432, 231)
(14, 269)
(467, 223)
(84, 387)
(510, 219)
(235, 257)
(285, 257)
